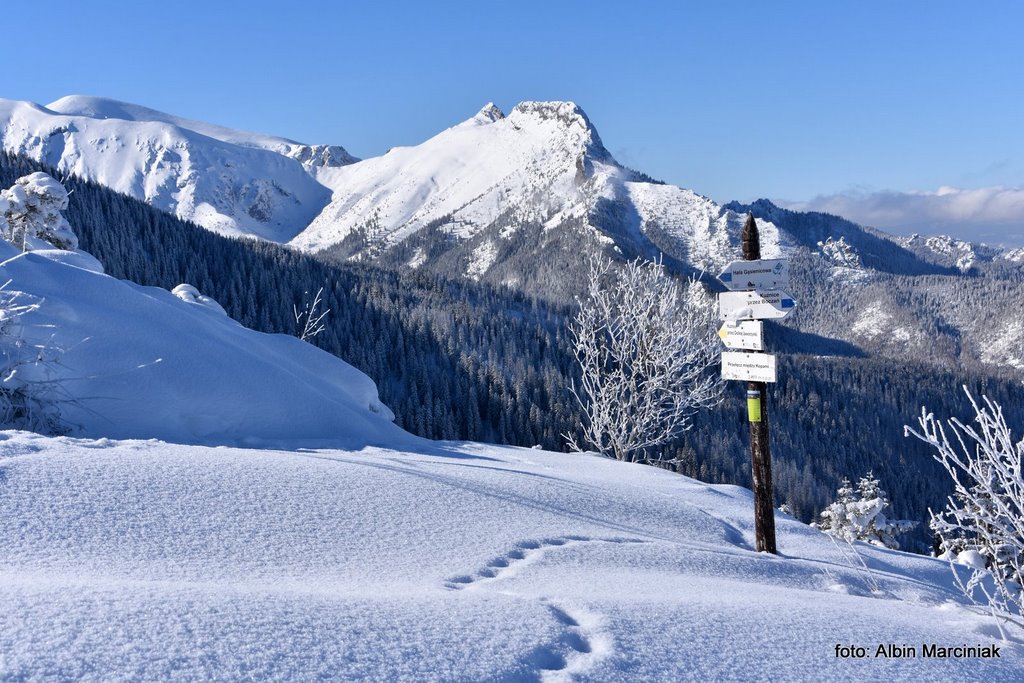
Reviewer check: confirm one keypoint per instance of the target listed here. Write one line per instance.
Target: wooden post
(757, 415)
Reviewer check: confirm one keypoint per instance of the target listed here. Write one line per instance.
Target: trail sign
(748, 367)
(760, 305)
(742, 334)
(760, 274)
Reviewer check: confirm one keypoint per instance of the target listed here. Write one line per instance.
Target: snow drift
(127, 361)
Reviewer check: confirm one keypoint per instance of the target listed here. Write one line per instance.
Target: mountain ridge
(520, 201)
(233, 189)
(107, 108)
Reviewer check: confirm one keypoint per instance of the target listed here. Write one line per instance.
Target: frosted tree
(860, 515)
(30, 218)
(982, 525)
(835, 518)
(31, 210)
(646, 345)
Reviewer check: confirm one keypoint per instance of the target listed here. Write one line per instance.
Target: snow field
(448, 561)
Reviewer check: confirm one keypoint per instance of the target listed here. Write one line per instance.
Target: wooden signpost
(757, 295)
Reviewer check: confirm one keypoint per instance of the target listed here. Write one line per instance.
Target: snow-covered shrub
(859, 515)
(982, 525)
(31, 211)
(646, 345)
(190, 294)
(28, 396)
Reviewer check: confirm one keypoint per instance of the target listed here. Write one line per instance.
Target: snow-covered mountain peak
(543, 167)
(568, 115)
(1015, 255)
(489, 113)
(963, 254)
(542, 162)
(105, 108)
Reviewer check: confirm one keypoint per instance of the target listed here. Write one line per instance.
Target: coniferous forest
(458, 360)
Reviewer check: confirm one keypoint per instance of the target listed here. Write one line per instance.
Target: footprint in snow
(524, 552)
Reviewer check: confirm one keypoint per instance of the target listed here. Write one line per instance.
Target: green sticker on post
(754, 406)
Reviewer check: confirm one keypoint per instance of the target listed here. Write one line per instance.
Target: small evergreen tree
(32, 209)
(860, 515)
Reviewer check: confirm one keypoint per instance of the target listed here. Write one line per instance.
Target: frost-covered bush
(646, 345)
(859, 515)
(29, 399)
(982, 525)
(30, 210)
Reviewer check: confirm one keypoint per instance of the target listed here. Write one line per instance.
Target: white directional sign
(749, 367)
(762, 274)
(742, 334)
(754, 305)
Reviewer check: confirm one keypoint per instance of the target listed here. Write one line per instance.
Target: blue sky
(857, 105)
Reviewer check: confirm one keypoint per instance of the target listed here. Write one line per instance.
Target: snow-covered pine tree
(30, 218)
(835, 518)
(31, 210)
(860, 515)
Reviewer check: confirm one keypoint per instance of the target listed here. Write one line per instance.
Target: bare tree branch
(309, 322)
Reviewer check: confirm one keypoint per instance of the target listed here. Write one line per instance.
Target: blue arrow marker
(787, 303)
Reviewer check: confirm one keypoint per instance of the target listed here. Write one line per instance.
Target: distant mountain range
(518, 201)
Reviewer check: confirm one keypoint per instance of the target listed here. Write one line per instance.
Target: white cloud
(988, 214)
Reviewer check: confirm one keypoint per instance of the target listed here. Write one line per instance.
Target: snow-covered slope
(454, 562)
(701, 233)
(121, 360)
(358, 552)
(230, 182)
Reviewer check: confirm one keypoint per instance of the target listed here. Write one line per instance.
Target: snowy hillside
(291, 531)
(119, 360)
(230, 182)
(451, 562)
